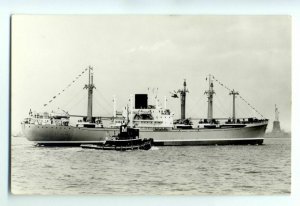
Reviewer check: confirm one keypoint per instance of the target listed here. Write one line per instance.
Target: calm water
(200, 170)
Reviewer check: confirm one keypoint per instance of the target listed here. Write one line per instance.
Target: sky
(129, 54)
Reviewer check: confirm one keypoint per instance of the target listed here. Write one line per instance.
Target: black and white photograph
(151, 105)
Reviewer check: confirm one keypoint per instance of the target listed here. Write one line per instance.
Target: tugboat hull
(122, 145)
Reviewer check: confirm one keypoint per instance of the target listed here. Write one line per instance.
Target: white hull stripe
(68, 142)
(200, 140)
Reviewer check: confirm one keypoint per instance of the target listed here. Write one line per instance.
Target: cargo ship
(153, 121)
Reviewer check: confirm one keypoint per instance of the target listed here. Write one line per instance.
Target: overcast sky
(251, 54)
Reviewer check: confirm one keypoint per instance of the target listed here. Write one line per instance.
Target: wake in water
(154, 148)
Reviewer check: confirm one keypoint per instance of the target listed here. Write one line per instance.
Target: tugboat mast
(233, 93)
(210, 93)
(90, 88)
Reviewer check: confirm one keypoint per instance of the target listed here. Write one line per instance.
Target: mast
(183, 99)
(130, 118)
(114, 106)
(165, 102)
(90, 88)
(210, 93)
(233, 93)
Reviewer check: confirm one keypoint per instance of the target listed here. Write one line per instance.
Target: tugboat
(127, 139)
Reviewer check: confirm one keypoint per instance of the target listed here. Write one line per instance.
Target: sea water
(187, 170)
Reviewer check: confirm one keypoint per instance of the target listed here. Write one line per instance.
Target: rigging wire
(242, 110)
(79, 101)
(102, 108)
(66, 88)
(242, 98)
(70, 100)
(220, 106)
(108, 103)
(196, 104)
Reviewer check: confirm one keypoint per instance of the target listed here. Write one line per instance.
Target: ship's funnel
(141, 101)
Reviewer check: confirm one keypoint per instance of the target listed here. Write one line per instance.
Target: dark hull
(243, 141)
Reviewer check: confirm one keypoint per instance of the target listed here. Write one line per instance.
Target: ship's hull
(248, 135)
(74, 136)
(65, 135)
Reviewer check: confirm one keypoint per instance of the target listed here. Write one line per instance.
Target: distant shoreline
(278, 135)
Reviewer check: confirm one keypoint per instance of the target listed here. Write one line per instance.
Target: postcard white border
(215, 7)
